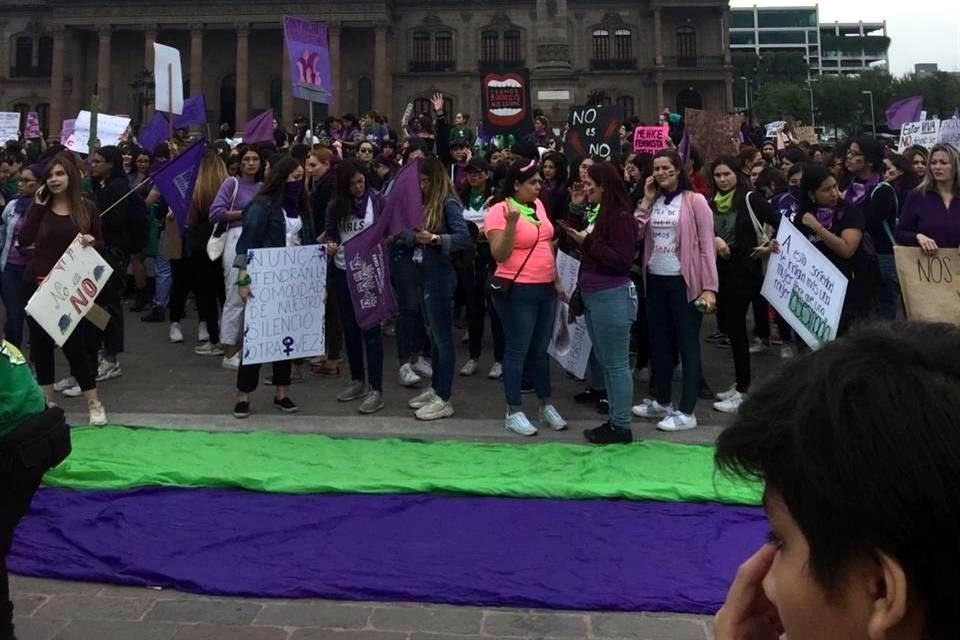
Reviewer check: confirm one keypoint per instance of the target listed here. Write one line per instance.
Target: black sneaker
(527, 388)
(716, 337)
(590, 396)
(286, 405)
(241, 410)
(156, 315)
(603, 406)
(606, 434)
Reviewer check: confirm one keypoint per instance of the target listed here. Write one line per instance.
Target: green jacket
(20, 397)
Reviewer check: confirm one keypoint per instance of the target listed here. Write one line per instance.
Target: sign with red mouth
(506, 102)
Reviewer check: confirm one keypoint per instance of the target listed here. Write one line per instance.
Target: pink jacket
(698, 253)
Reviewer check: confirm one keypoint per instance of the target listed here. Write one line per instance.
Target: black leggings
(199, 274)
(80, 350)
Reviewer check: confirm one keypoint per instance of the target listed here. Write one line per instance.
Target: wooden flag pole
(92, 143)
(170, 99)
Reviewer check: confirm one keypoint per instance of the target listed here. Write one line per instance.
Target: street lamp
(813, 110)
(873, 115)
(143, 91)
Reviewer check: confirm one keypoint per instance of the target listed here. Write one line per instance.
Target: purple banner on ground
(562, 554)
(309, 53)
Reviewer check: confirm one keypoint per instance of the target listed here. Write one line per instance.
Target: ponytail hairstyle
(520, 171)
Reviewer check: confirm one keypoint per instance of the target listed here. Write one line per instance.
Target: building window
(276, 96)
(741, 19)
(423, 106)
(45, 56)
(743, 37)
(23, 57)
(623, 44)
(783, 37)
(444, 48)
(686, 46)
(364, 95)
(421, 47)
(488, 46)
(626, 106)
(601, 44)
(767, 18)
(512, 46)
(43, 115)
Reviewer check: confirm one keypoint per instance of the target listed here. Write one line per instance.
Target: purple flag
(309, 58)
(404, 206)
(155, 132)
(684, 148)
(194, 112)
(368, 275)
(175, 180)
(903, 111)
(260, 128)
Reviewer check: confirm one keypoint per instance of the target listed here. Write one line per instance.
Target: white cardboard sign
(110, 131)
(9, 126)
(925, 133)
(570, 345)
(167, 79)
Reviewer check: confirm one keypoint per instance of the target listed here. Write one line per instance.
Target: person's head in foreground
(858, 447)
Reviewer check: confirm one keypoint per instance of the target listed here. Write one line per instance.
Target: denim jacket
(454, 236)
(11, 215)
(265, 227)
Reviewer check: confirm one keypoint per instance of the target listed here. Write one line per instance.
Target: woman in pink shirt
(520, 235)
(680, 266)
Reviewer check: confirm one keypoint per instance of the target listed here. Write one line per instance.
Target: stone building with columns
(642, 55)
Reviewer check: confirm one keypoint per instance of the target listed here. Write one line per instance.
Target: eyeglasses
(366, 150)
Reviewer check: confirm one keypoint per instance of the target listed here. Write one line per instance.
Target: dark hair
(683, 180)
(909, 180)
(860, 440)
(797, 168)
(560, 162)
(772, 178)
(795, 155)
(643, 162)
(747, 154)
(520, 171)
(273, 187)
(243, 150)
(813, 176)
(342, 198)
(731, 163)
(872, 151)
(615, 200)
(300, 151)
(114, 157)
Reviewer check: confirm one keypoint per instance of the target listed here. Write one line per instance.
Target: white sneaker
(496, 371)
(551, 417)
(730, 404)
(98, 415)
(677, 421)
(725, 395)
(758, 346)
(787, 351)
(208, 349)
(469, 369)
(422, 368)
(176, 334)
(355, 391)
(652, 410)
(72, 392)
(436, 410)
(108, 370)
(202, 334)
(66, 383)
(518, 423)
(409, 377)
(422, 400)
(232, 363)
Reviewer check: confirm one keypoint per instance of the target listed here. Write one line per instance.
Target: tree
(781, 99)
(838, 101)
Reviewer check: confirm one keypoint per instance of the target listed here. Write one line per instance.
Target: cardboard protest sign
(69, 291)
(283, 319)
(309, 57)
(806, 134)
(924, 133)
(9, 126)
(713, 134)
(167, 79)
(66, 130)
(505, 103)
(805, 288)
(774, 127)
(593, 130)
(930, 284)
(950, 132)
(650, 139)
(570, 345)
(32, 130)
(110, 130)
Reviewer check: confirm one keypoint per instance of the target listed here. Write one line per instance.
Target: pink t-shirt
(540, 268)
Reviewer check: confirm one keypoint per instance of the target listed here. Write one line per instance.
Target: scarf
(359, 208)
(825, 216)
(724, 201)
(860, 190)
(476, 199)
(291, 198)
(592, 211)
(667, 197)
(526, 211)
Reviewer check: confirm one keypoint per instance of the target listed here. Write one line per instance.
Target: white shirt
(294, 225)
(349, 229)
(665, 226)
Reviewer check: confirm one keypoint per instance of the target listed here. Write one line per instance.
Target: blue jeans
(163, 273)
(11, 288)
(408, 290)
(439, 285)
(888, 301)
(527, 314)
(355, 338)
(674, 326)
(609, 314)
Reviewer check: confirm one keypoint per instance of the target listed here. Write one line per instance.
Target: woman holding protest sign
(58, 215)
(279, 216)
(680, 264)
(931, 215)
(226, 213)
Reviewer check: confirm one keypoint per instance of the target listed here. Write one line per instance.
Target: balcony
(431, 66)
(622, 64)
(500, 65)
(28, 73)
(693, 62)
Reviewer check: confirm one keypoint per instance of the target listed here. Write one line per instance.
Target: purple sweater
(608, 253)
(221, 204)
(924, 212)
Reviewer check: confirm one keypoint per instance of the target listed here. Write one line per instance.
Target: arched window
(43, 115)
(626, 106)
(23, 57)
(489, 41)
(365, 96)
(443, 45)
(45, 56)
(686, 46)
(421, 47)
(512, 46)
(421, 105)
(623, 44)
(276, 96)
(601, 45)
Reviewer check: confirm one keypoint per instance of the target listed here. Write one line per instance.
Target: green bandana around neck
(526, 211)
(724, 201)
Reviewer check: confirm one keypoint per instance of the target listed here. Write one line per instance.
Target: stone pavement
(167, 386)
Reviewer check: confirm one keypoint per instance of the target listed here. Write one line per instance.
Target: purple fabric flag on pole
(176, 179)
(404, 206)
(684, 148)
(903, 111)
(368, 275)
(309, 54)
(194, 112)
(155, 132)
(260, 128)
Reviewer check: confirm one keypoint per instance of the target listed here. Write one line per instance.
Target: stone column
(242, 77)
(149, 39)
(660, 104)
(657, 39)
(382, 98)
(56, 83)
(286, 101)
(5, 50)
(333, 36)
(196, 59)
(78, 73)
(103, 68)
(728, 92)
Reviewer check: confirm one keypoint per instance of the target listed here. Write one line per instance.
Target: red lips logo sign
(505, 99)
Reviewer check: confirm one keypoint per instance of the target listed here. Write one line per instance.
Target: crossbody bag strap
(530, 253)
(757, 227)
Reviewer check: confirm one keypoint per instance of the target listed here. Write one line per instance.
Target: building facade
(829, 48)
(644, 55)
